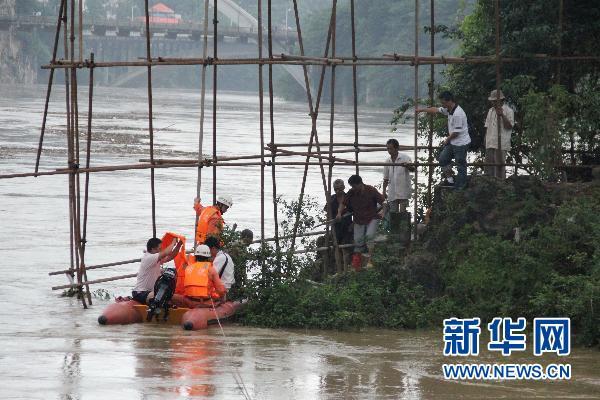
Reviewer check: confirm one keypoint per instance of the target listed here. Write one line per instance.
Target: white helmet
(202, 251)
(225, 200)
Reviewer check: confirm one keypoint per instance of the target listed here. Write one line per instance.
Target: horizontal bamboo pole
(313, 154)
(289, 236)
(112, 264)
(243, 164)
(76, 285)
(318, 249)
(387, 59)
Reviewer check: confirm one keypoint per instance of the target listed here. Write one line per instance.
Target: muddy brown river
(54, 349)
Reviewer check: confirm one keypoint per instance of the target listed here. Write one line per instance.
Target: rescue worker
(149, 270)
(222, 262)
(210, 218)
(202, 283)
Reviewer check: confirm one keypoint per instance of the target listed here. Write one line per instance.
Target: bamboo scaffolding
(313, 157)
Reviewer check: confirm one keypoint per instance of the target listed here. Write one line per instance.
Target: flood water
(54, 349)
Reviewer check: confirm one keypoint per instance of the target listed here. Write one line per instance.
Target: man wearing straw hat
(493, 154)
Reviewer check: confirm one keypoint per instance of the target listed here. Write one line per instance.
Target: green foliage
(468, 264)
(547, 115)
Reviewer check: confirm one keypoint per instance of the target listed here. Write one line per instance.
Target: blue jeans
(459, 153)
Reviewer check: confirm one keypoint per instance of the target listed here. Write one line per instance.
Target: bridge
(122, 40)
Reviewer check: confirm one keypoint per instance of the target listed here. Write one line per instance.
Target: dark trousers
(459, 154)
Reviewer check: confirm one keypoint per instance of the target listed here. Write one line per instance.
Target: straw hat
(493, 95)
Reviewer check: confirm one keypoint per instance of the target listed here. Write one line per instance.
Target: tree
(531, 86)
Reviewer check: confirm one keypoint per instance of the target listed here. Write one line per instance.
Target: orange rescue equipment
(179, 260)
(197, 281)
(210, 222)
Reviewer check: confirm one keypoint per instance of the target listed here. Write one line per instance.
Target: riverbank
(520, 248)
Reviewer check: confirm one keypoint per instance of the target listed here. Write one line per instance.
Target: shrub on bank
(523, 250)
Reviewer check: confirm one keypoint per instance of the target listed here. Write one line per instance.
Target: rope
(236, 373)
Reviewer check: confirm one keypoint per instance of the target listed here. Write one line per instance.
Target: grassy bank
(518, 248)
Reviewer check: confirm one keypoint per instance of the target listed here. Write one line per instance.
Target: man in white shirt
(396, 178)
(493, 153)
(149, 270)
(222, 262)
(457, 141)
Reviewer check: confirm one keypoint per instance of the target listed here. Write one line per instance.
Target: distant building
(161, 14)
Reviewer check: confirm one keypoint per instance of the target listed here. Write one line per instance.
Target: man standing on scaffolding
(210, 219)
(456, 144)
(363, 200)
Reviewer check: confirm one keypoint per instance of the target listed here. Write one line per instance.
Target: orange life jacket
(197, 282)
(206, 224)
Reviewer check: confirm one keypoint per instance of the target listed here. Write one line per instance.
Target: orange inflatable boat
(190, 314)
(131, 312)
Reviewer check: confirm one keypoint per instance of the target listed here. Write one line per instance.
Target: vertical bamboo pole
(214, 121)
(150, 116)
(354, 88)
(313, 114)
(73, 161)
(416, 152)
(202, 99)
(50, 81)
(431, 100)
(80, 3)
(558, 70)
(274, 181)
(336, 249)
(68, 128)
(261, 123)
(499, 157)
(87, 174)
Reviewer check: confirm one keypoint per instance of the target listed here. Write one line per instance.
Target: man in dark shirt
(363, 200)
(343, 228)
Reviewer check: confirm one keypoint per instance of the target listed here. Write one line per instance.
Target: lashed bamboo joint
(317, 153)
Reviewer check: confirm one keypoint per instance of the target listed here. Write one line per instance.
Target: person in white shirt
(222, 262)
(149, 270)
(493, 153)
(396, 178)
(457, 141)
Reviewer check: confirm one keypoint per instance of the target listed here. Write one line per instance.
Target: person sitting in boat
(222, 262)
(149, 270)
(210, 218)
(202, 283)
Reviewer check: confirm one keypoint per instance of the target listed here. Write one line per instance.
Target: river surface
(54, 349)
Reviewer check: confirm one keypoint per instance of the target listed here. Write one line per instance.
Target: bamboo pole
(86, 283)
(150, 116)
(50, 81)
(336, 250)
(416, 117)
(313, 112)
(273, 175)
(354, 87)
(499, 155)
(194, 164)
(261, 123)
(214, 114)
(431, 102)
(387, 60)
(202, 102)
(313, 155)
